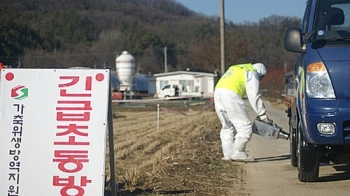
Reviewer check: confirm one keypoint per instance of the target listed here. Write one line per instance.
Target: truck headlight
(326, 128)
(318, 83)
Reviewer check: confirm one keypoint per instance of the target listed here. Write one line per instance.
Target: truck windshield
(165, 87)
(333, 20)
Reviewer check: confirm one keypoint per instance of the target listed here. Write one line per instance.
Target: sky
(241, 11)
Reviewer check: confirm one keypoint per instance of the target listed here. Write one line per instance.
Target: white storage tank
(125, 66)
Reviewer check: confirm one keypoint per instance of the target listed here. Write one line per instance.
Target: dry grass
(183, 157)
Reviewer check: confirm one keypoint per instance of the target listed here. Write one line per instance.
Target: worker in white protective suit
(238, 81)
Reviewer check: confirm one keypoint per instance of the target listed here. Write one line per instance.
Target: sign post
(111, 143)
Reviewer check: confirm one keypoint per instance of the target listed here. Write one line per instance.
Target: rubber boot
(227, 151)
(239, 153)
(227, 142)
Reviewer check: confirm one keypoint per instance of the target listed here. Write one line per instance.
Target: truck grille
(346, 130)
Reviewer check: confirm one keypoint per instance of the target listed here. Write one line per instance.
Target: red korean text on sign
(73, 112)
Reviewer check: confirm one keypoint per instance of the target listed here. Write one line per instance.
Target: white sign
(53, 131)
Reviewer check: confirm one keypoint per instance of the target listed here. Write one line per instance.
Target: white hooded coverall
(238, 81)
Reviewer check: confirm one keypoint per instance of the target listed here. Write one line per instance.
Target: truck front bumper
(336, 112)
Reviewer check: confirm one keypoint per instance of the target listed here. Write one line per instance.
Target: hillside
(51, 33)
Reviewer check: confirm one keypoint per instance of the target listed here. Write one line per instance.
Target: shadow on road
(342, 172)
(275, 158)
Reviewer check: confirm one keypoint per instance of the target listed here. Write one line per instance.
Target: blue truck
(317, 91)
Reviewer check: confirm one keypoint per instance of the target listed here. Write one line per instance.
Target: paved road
(272, 173)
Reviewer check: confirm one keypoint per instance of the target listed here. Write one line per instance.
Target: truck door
(167, 91)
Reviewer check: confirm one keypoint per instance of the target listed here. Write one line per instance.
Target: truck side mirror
(293, 40)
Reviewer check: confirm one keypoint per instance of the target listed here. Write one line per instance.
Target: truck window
(165, 87)
(306, 18)
(333, 20)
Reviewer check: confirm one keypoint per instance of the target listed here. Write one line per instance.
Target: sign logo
(19, 92)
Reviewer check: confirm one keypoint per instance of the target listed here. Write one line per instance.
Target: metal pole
(222, 37)
(158, 117)
(165, 60)
(111, 140)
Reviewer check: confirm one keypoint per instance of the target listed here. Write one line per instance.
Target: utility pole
(222, 36)
(165, 60)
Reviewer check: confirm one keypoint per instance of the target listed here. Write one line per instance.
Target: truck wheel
(293, 146)
(308, 159)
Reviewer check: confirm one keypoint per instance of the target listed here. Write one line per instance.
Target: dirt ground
(175, 151)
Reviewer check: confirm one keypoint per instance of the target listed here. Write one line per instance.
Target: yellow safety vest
(234, 79)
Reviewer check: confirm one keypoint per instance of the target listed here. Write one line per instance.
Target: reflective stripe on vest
(234, 79)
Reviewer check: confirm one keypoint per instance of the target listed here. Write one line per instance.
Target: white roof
(196, 74)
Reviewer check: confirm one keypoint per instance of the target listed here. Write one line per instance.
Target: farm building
(190, 81)
(129, 83)
(142, 84)
(187, 82)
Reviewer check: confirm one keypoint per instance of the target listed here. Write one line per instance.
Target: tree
(15, 36)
